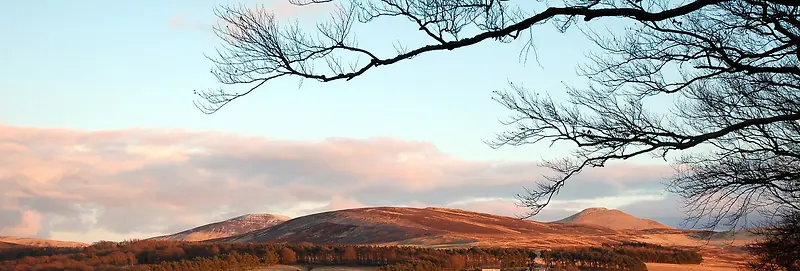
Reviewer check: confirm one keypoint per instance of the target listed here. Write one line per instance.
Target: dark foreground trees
(728, 67)
(780, 247)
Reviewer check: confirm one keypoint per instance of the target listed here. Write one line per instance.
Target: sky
(99, 139)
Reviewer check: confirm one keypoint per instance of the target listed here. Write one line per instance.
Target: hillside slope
(612, 219)
(416, 226)
(37, 242)
(8, 245)
(238, 225)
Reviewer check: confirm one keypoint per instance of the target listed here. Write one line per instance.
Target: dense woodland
(625, 256)
(174, 256)
(656, 254)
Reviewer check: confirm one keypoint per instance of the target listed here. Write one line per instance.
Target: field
(709, 266)
(650, 267)
(318, 268)
(689, 267)
(718, 253)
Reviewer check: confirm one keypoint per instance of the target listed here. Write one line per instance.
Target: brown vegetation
(172, 255)
(8, 245)
(453, 228)
(380, 225)
(779, 248)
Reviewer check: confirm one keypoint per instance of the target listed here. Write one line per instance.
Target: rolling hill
(612, 219)
(8, 245)
(238, 225)
(37, 242)
(426, 227)
(454, 228)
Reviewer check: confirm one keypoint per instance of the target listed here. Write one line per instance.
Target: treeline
(597, 258)
(176, 256)
(231, 261)
(627, 256)
(653, 253)
(459, 259)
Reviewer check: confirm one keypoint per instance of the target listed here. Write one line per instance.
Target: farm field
(688, 267)
(318, 268)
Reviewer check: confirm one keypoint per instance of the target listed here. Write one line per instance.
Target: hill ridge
(11, 241)
(238, 225)
(611, 218)
(415, 226)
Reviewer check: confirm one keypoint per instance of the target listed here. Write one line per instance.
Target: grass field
(317, 268)
(687, 267)
(650, 267)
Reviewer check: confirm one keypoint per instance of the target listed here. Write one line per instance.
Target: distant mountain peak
(259, 216)
(612, 219)
(234, 226)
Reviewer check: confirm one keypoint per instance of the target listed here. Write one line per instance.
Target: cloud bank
(91, 185)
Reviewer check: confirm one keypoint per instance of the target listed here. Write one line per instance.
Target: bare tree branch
(258, 38)
(779, 246)
(728, 67)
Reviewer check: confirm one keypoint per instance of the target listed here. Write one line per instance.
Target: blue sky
(126, 70)
(103, 65)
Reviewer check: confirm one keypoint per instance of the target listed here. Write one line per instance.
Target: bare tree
(729, 66)
(779, 248)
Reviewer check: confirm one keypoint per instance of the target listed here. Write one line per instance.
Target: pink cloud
(29, 225)
(164, 180)
(176, 21)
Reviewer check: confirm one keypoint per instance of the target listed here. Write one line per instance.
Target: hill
(37, 242)
(238, 225)
(426, 227)
(612, 219)
(8, 245)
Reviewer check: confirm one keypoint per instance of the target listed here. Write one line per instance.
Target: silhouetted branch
(779, 245)
(259, 49)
